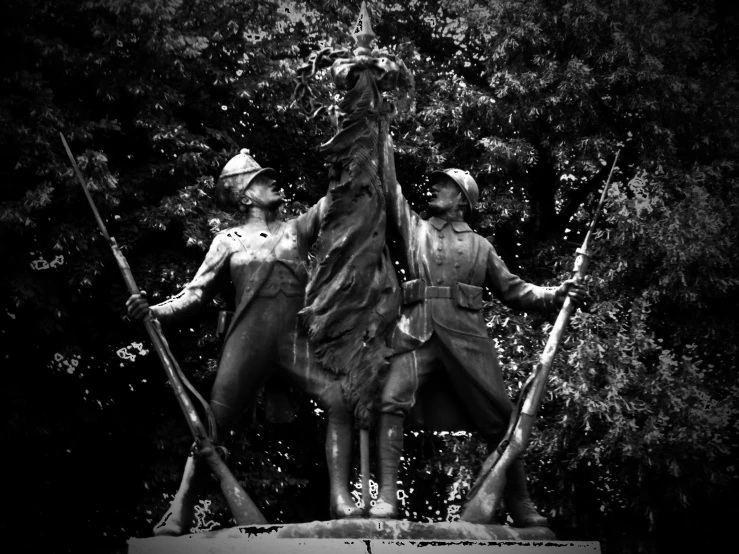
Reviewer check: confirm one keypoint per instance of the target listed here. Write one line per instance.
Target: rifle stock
(487, 491)
(242, 507)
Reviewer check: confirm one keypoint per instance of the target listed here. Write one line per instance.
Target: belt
(438, 292)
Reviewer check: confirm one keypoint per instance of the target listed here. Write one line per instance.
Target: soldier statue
(441, 331)
(265, 259)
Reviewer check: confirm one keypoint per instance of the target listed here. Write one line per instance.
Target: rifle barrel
(151, 325)
(487, 490)
(242, 507)
(99, 219)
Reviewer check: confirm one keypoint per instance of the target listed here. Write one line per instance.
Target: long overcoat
(439, 255)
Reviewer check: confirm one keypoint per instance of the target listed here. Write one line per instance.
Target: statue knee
(393, 404)
(333, 402)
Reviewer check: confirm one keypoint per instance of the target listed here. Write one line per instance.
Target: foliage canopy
(636, 437)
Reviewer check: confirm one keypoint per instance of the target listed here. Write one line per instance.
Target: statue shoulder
(486, 243)
(230, 235)
(483, 245)
(225, 233)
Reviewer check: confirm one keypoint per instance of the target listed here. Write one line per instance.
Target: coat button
(441, 235)
(438, 247)
(438, 261)
(439, 280)
(456, 265)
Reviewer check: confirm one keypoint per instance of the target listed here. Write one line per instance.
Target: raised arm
(513, 291)
(309, 223)
(201, 289)
(401, 218)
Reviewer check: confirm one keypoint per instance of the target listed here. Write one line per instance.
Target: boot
(178, 519)
(338, 458)
(516, 496)
(389, 449)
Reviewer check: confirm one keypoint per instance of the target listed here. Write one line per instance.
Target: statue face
(263, 192)
(446, 197)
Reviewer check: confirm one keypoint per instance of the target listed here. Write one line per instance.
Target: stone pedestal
(363, 536)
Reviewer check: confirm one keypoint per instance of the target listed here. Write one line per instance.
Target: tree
(534, 98)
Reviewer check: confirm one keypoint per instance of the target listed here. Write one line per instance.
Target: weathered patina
(266, 260)
(352, 296)
(241, 505)
(440, 343)
(486, 493)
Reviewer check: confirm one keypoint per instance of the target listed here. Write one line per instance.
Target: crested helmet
(242, 163)
(464, 180)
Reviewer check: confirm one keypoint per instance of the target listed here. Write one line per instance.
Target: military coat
(447, 266)
(263, 270)
(248, 266)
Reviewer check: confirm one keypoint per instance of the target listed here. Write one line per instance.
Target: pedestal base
(363, 536)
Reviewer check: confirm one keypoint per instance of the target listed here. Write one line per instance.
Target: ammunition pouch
(468, 297)
(413, 291)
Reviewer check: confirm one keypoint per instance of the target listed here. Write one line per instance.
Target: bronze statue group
(438, 334)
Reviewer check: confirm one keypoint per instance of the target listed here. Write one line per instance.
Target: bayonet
(486, 493)
(242, 507)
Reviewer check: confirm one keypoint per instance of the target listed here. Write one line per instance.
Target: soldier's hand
(576, 289)
(137, 306)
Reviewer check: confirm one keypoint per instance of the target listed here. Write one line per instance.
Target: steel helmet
(464, 180)
(243, 163)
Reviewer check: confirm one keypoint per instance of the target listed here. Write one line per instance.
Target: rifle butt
(481, 506)
(242, 507)
(485, 496)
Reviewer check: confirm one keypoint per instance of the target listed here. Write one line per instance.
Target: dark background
(635, 444)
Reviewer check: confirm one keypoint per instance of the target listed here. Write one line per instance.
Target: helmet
(243, 163)
(464, 180)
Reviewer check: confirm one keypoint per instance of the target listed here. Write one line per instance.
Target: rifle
(486, 493)
(242, 507)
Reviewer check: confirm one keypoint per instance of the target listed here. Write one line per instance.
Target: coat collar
(458, 226)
